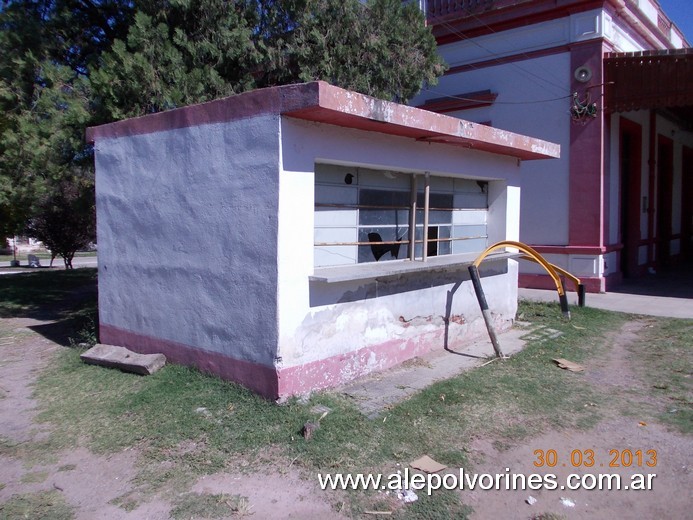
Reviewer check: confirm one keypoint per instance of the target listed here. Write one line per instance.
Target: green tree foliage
(381, 48)
(64, 219)
(69, 64)
(183, 51)
(177, 53)
(43, 143)
(46, 49)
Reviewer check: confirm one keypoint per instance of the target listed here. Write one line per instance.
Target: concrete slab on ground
(645, 304)
(372, 394)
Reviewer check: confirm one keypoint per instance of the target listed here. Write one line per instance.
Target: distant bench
(33, 261)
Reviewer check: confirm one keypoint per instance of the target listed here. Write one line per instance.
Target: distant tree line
(69, 64)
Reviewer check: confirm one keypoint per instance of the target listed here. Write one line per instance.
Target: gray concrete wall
(187, 234)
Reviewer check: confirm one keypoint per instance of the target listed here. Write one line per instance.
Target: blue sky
(681, 13)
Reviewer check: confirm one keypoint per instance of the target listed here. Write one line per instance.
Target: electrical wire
(493, 31)
(442, 94)
(494, 56)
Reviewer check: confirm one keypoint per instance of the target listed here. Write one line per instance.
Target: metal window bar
(412, 218)
(427, 193)
(392, 242)
(364, 206)
(412, 207)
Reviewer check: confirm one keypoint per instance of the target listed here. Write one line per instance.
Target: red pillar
(586, 199)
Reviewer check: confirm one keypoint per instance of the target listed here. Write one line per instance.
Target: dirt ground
(670, 496)
(88, 482)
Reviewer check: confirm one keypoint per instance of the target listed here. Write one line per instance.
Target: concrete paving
(372, 394)
(647, 305)
(77, 262)
(666, 294)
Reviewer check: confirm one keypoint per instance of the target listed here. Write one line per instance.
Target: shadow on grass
(66, 301)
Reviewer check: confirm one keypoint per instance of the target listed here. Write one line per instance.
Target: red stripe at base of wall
(259, 378)
(274, 383)
(544, 281)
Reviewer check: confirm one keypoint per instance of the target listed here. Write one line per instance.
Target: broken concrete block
(124, 359)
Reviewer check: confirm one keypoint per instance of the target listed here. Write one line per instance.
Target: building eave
(324, 103)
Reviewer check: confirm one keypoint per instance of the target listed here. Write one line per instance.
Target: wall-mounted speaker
(583, 74)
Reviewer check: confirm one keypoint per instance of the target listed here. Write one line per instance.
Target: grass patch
(548, 516)
(43, 255)
(440, 505)
(42, 452)
(56, 293)
(666, 365)
(46, 505)
(34, 477)
(194, 505)
(189, 424)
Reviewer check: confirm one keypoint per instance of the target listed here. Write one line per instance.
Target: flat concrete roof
(324, 103)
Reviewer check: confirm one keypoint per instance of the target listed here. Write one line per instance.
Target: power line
(495, 56)
(499, 102)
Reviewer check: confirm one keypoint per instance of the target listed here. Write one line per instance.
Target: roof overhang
(323, 103)
(650, 80)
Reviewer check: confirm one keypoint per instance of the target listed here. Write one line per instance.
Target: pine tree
(69, 64)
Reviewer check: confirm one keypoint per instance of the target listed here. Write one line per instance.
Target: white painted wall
(528, 105)
(187, 227)
(319, 320)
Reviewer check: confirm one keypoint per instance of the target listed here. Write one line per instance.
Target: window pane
(469, 246)
(440, 217)
(469, 231)
(383, 217)
(384, 198)
(382, 252)
(435, 200)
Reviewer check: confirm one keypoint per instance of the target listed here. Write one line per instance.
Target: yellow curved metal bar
(560, 270)
(528, 251)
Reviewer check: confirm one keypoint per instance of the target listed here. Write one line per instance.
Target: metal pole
(476, 282)
(427, 191)
(412, 219)
(581, 295)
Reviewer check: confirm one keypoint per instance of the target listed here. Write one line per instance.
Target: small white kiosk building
(296, 237)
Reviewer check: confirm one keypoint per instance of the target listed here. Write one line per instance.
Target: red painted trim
(577, 250)
(323, 103)
(457, 102)
(586, 179)
(271, 382)
(336, 370)
(462, 25)
(544, 281)
(259, 378)
(560, 49)
(606, 186)
(240, 106)
(649, 33)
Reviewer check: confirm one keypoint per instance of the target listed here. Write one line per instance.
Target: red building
(609, 80)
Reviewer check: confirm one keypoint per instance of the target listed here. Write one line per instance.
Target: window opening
(366, 215)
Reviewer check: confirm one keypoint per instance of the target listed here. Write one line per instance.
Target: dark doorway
(665, 182)
(687, 205)
(631, 171)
